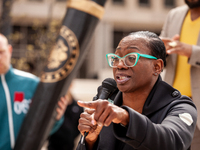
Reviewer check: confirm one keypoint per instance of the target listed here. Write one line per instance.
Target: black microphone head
(109, 84)
(106, 90)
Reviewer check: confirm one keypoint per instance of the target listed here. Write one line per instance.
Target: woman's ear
(158, 66)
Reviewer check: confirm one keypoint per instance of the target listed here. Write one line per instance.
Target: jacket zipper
(9, 107)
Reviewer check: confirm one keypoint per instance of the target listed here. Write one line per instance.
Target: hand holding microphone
(107, 88)
(101, 112)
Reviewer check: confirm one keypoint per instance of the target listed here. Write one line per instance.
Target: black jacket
(63, 138)
(161, 126)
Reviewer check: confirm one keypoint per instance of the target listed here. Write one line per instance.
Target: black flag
(65, 59)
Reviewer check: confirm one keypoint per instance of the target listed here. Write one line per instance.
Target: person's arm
(99, 113)
(194, 59)
(57, 125)
(173, 133)
(174, 46)
(62, 105)
(190, 51)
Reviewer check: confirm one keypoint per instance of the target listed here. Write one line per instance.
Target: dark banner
(65, 59)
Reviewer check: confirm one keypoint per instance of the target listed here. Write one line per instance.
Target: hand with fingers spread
(174, 46)
(166, 41)
(62, 105)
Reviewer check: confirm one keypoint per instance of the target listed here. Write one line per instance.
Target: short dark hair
(155, 44)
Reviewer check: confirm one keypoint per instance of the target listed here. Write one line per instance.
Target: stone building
(120, 18)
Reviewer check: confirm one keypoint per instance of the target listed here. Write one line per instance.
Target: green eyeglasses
(130, 60)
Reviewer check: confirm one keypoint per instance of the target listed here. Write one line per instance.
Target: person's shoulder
(176, 95)
(25, 75)
(180, 9)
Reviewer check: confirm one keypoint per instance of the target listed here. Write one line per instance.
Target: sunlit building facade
(120, 18)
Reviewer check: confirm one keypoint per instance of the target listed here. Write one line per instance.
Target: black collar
(161, 95)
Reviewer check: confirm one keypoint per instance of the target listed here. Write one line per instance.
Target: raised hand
(174, 46)
(62, 105)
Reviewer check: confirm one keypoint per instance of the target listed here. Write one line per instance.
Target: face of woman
(139, 77)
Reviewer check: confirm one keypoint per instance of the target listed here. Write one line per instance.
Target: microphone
(107, 88)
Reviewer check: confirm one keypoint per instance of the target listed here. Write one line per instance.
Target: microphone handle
(106, 89)
(85, 134)
(103, 95)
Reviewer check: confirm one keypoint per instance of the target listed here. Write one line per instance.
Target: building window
(30, 50)
(118, 35)
(31, 47)
(118, 1)
(144, 3)
(36, 0)
(169, 3)
(24, 36)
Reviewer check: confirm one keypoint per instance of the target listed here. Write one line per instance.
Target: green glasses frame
(138, 55)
